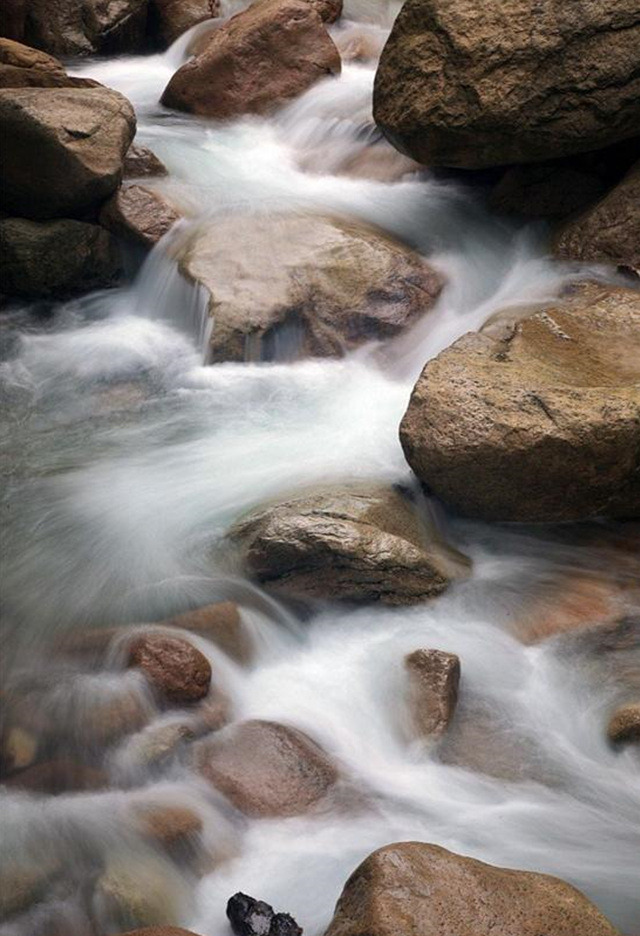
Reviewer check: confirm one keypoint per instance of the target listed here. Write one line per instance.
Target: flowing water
(126, 459)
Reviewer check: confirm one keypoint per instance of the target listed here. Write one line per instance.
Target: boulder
(362, 542)
(63, 149)
(415, 889)
(291, 286)
(24, 67)
(12, 17)
(171, 18)
(624, 724)
(609, 231)
(56, 259)
(266, 769)
(434, 677)
(260, 58)
(176, 669)
(250, 917)
(541, 425)
(138, 214)
(86, 27)
(473, 85)
(140, 162)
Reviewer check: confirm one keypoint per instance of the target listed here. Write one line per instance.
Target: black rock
(284, 925)
(249, 917)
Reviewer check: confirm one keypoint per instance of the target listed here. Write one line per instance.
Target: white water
(127, 460)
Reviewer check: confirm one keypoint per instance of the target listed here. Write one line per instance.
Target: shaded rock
(608, 232)
(56, 259)
(86, 27)
(258, 59)
(58, 776)
(63, 148)
(434, 677)
(12, 16)
(545, 191)
(171, 18)
(138, 214)
(24, 67)
(140, 162)
(250, 917)
(296, 285)
(543, 425)
(179, 672)
(471, 86)
(361, 542)
(415, 889)
(266, 769)
(624, 725)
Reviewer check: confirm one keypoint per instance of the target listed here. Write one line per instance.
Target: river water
(126, 459)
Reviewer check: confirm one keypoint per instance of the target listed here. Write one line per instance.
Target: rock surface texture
(472, 85)
(359, 542)
(138, 214)
(172, 18)
(434, 677)
(63, 149)
(541, 425)
(414, 889)
(624, 725)
(297, 285)
(24, 67)
(85, 27)
(174, 666)
(140, 163)
(260, 58)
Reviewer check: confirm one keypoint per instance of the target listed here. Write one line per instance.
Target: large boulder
(541, 424)
(63, 149)
(298, 285)
(415, 889)
(260, 58)
(24, 67)
(266, 769)
(361, 542)
(609, 231)
(85, 27)
(56, 259)
(138, 214)
(472, 85)
(171, 18)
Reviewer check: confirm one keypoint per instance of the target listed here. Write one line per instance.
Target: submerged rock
(434, 677)
(63, 149)
(139, 890)
(291, 286)
(540, 425)
(258, 59)
(24, 67)
(474, 85)
(624, 724)
(138, 214)
(266, 769)
(58, 776)
(361, 542)
(56, 259)
(180, 672)
(250, 917)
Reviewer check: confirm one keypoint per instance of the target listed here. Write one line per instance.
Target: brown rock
(328, 10)
(18, 749)
(545, 190)
(222, 625)
(168, 825)
(138, 214)
(258, 59)
(608, 232)
(507, 81)
(58, 776)
(172, 18)
(86, 27)
(24, 67)
(134, 892)
(12, 16)
(434, 677)
(415, 889)
(361, 542)
(381, 162)
(173, 666)
(624, 725)
(21, 885)
(543, 425)
(56, 259)
(266, 769)
(140, 162)
(62, 150)
(281, 286)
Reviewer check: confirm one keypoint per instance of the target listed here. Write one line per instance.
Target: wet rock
(157, 743)
(380, 162)
(266, 769)
(63, 148)
(361, 542)
(258, 59)
(139, 890)
(434, 677)
(22, 885)
(170, 826)
(85, 27)
(171, 18)
(222, 625)
(609, 231)
(542, 425)
(435, 892)
(138, 214)
(56, 259)
(176, 669)
(624, 725)
(281, 286)
(58, 776)
(358, 42)
(107, 718)
(24, 67)
(467, 85)
(18, 749)
(140, 162)
(250, 917)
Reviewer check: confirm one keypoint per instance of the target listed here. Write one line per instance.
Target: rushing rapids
(126, 460)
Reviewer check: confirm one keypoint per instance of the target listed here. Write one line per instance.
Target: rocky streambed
(320, 344)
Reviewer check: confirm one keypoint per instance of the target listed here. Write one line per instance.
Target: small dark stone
(249, 917)
(284, 925)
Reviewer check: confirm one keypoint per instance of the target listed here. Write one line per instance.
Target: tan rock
(140, 891)
(258, 59)
(140, 162)
(624, 724)
(294, 285)
(63, 148)
(266, 769)
(168, 825)
(543, 425)
(24, 67)
(508, 81)
(360, 542)
(172, 18)
(18, 749)
(415, 889)
(138, 214)
(434, 677)
(179, 672)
